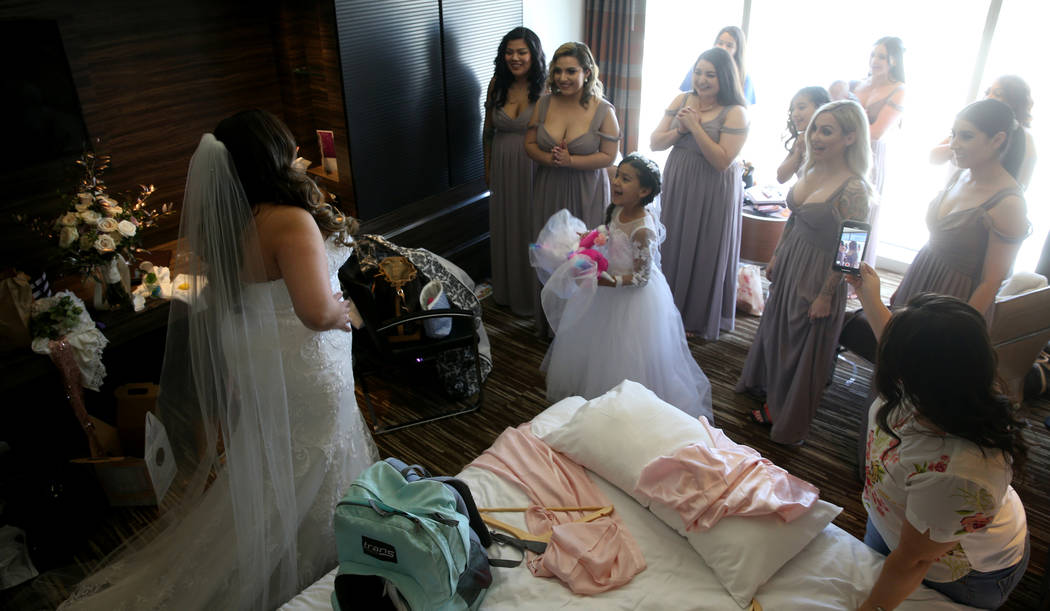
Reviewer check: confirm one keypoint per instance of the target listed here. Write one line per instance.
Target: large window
(1016, 49)
(675, 34)
(814, 42)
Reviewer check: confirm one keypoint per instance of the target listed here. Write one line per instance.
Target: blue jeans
(982, 590)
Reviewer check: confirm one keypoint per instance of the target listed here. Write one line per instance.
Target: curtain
(615, 34)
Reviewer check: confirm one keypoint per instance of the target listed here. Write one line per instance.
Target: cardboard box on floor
(142, 472)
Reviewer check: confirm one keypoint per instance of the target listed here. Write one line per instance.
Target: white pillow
(556, 415)
(617, 434)
(745, 551)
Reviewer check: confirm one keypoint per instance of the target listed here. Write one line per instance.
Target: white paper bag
(160, 462)
(433, 297)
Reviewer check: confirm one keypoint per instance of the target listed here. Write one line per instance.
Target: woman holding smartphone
(794, 348)
(977, 223)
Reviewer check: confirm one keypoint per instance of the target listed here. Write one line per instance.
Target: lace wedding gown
(193, 565)
(632, 332)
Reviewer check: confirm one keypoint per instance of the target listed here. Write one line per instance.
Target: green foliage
(56, 321)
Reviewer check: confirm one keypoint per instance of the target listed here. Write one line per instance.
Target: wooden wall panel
(311, 85)
(152, 77)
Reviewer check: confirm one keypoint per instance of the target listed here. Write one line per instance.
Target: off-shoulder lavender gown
(701, 210)
(584, 193)
(510, 214)
(952, 261)
(878, 170)
(792, 355)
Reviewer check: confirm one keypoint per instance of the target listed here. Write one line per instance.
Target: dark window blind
(414, 73)
(471, 34)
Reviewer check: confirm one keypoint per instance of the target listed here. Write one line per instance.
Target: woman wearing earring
(978, 222)
(520, 78)
(703, 195)
(572, 136)
(1015, 93)
(791, 358)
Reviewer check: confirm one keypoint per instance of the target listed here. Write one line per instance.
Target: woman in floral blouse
(941, 451)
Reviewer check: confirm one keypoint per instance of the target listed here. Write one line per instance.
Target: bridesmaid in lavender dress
(794, 349)
(978, 222)
(520, 78)
(703, 194)
(573, 135)
(882, 96)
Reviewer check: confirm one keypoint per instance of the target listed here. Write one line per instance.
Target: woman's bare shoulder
(736, 116)
(678, 100)
(283, 221)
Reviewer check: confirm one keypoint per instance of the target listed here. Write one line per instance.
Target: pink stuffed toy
(595, 237)
(594, 255)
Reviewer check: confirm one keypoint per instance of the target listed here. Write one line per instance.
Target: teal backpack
(398, 524)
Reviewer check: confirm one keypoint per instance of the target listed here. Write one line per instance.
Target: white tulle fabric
(85, 339)
(570, 281)
(606, 334)
(249, 528)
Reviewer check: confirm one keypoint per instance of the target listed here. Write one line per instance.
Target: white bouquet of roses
(99, 231)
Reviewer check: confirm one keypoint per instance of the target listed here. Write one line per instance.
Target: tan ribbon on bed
(524, 535)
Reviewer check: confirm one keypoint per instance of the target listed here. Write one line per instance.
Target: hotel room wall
(555, 22)
(153, 77)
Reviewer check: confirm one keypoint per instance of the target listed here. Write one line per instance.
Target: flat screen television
(40, 100)
(44, 132)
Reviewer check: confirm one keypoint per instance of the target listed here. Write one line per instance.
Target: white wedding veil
(226, 538)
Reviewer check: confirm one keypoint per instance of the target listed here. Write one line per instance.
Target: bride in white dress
(620, 324)
(257, 389)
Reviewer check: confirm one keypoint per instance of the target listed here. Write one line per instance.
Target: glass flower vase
(112, 284)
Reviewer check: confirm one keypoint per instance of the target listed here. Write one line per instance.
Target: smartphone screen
(852, 243)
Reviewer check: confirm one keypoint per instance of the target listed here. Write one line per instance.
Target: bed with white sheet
(808, 563)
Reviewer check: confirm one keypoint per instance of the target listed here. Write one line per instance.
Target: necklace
(700, 107)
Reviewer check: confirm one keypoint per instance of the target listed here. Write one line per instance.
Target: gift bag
(749, 298)
(433, 297)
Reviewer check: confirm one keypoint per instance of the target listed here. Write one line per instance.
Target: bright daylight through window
(792, 45)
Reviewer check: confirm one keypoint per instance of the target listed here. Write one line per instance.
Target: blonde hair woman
(791, 357)
(573, 138)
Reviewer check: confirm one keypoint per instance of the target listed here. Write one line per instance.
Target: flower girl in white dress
(610, 304)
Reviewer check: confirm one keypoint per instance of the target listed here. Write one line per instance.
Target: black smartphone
(853, 244)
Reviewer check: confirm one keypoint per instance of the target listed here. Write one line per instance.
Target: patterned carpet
(514, 393)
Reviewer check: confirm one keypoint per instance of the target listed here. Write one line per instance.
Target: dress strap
(670, 112)
(730, 130)
(599, 116)
(541, 108)
(889, 99)
(999, 196)
(935, 204)
(789, 199)
(992, 202)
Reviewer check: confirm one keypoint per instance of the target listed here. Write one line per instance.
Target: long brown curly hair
(263, 149)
